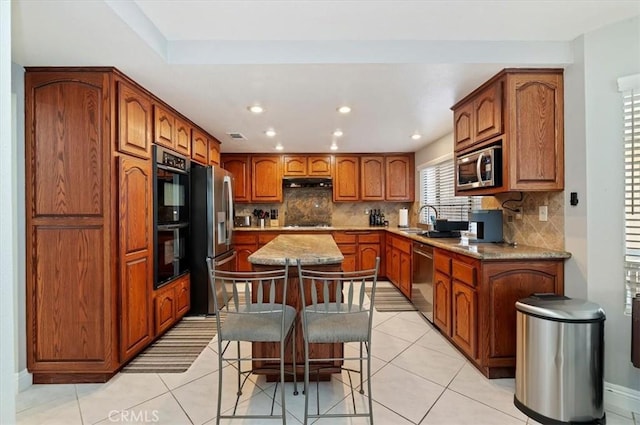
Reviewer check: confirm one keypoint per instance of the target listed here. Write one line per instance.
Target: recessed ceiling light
(256, 109)
(344, 109)
(279, 147)
(270, 133)
(337, 133)
(334, 147)
(416, 136)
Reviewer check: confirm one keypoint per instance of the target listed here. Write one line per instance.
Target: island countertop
(310, 249)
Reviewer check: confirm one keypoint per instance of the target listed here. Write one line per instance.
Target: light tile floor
(417, 378)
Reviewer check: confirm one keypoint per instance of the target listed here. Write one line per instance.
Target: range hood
(307, 182)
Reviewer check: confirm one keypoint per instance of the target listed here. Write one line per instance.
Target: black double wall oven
(170, 215)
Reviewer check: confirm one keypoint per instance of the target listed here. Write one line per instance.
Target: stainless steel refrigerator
(211, 231)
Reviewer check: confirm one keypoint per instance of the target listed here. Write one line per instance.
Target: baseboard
(23, 380)
(621, 399)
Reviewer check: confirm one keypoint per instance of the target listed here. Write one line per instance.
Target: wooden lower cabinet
(398, 265)
(474, 304)
(171, 303)
(360, 249)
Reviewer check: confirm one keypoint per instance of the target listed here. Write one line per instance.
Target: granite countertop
(310, 249)
(482, 251)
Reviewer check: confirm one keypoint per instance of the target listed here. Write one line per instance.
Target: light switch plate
(542, 213)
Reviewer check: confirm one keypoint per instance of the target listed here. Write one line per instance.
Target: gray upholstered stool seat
(342, 327)
(263, 324)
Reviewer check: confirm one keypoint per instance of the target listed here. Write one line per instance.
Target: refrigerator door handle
(227, 181)
(226, 260)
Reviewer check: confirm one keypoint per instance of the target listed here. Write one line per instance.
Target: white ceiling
(399, 64)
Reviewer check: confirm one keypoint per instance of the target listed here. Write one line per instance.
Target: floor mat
(177, 349)
(390, 299)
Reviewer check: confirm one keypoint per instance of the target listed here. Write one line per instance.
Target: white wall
(8, 248)
(442, 146)
(597, 264)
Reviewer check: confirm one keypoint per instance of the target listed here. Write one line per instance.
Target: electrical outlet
(366, 212)
(542, 213)
(518, 214)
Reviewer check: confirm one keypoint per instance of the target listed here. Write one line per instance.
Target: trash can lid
(559, 307)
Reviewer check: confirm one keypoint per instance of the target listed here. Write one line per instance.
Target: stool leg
(219, 381)
(369, 384)
(283, 341)
(239, 392)
(306, 382)
(361, 371)
(295, 369)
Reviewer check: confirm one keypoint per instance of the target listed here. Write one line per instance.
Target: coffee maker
(486, 224)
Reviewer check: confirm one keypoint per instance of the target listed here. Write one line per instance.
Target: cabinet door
(372, 178)
(536, 125)
(319, 166)
(294, 165)
(266, 178)
(442, 302)
(400, 177)
(136, 263)
(367, 254)
(462, 126)
(464, 318)
(394, 273)
(350, 262)
(134, 118)
(183, 297)
(242, 257)
(238, 165)
(346, 179)
(199, 147)
(405, 274)
(183, 137)
(487, 113)
(165, 309)
(503, 284)
(214, 152)
(164, 124)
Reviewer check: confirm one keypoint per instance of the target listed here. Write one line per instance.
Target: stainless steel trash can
(559, 359)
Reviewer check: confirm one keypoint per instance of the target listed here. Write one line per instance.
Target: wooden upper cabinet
(400, 178)
(463, 126)
(487, 112)
(199, 147)
(536, 140)
(266, 178)
(319, 166)
(214, 152)
(346, 178)
(294, 165)
(182, 137)
(521, 111)
(301, 165)
(134, 121)
(239, 166)
(164, 127)
(372, 178)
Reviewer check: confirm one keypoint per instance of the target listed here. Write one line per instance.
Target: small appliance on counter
(242, 221)
(486, 224)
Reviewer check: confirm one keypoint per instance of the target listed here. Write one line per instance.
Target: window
(437, 189)
(630, 87)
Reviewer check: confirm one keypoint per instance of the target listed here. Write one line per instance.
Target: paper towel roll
(403, 217)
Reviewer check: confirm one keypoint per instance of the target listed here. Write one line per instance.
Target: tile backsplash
(530, 230)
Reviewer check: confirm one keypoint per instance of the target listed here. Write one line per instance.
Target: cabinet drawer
(465, 273)
(344, 238)
(369, 238)
(347, 248)
(442, 262)
(402, 244)
(244, 238)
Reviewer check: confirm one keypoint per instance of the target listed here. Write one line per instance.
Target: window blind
(437, 189)
(631, 107)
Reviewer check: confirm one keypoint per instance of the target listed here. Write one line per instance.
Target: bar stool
(262, 320)
(336, 313)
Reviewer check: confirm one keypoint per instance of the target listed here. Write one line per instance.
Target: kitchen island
(318, 252)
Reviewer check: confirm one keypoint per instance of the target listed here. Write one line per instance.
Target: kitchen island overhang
(319, 252)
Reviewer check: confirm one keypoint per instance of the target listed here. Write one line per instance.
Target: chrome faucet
(428, 206)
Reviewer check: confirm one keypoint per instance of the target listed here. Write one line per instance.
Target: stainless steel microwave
(480, 169)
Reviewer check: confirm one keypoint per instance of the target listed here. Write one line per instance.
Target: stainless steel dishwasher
(422, 279)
